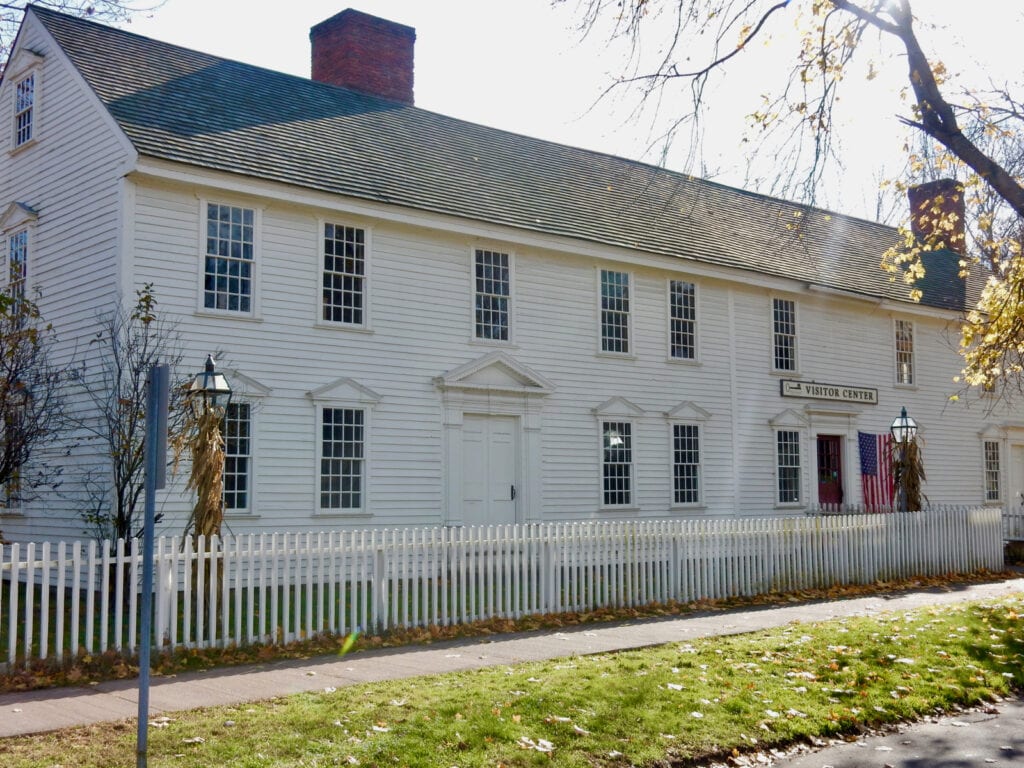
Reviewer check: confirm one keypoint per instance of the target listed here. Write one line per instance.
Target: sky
(522, 66)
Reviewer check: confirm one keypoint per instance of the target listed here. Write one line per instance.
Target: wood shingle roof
(181, 105)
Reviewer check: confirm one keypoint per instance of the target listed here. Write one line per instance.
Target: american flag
(876, 470)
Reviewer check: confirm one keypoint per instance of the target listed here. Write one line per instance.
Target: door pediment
(495, 372)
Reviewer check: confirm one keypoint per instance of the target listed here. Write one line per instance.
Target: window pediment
(17, 215)
(20, 63)
(245, 386)
(344, 390)
(495, 372)
(788, 418)
(687, 411)
(618, 406)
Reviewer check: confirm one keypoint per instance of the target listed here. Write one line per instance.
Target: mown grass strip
(661, 705)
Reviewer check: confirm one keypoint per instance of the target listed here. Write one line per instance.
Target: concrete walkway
(47, 710)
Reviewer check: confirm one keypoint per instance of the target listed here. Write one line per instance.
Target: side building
(428, 321)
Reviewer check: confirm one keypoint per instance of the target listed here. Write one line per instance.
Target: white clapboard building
(432, 322)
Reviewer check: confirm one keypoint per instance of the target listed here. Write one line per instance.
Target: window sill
(241, 516)
(688, 361)
(683, 508)
(791, 507)
(343, 327)
(615, 355)
(906, 387)
(14, 513)
(475, 342)
(777, 372)
(23, 147)
(331, 514)
(615, 510)
(228, 315)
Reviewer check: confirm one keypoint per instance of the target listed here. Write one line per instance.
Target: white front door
(489, 460)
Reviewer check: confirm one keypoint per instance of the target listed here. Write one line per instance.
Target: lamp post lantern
(904, 432)
(210, 387)
(208, 396)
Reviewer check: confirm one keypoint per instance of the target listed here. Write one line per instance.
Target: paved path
(40, 711)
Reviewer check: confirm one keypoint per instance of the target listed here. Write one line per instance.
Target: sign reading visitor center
(840, 392)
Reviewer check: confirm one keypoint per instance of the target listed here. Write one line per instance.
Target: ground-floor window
(992, 489)
(685, 464)
(237, 430)
(787, 442)
(342, 458)
(617, 463)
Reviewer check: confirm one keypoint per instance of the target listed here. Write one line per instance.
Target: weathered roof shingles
(194, 108)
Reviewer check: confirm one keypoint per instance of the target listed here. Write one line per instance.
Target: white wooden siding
(421, 329)
(72, 177)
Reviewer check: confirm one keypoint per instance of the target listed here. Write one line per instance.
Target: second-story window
(904, 352)
(24, 107)
(783, 335)
(614, 311)
(230, 257)
(682, 329)
(344, 275)
(491, 288)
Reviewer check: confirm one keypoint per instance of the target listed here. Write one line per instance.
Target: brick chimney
(937, 208)
(365, 53)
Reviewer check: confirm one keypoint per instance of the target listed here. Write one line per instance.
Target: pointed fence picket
(283, 587)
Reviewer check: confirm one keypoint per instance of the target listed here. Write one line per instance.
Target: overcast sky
(520, 65)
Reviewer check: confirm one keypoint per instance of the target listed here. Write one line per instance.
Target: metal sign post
(156, 474)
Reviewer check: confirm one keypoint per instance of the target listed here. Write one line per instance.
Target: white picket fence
(61, 599)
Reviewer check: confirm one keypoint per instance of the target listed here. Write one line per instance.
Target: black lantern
(211, 386)
(904, 428)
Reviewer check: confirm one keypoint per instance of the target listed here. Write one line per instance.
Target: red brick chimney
(937, 208)
(365, 53)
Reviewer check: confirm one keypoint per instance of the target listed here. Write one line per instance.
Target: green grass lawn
(678, 701)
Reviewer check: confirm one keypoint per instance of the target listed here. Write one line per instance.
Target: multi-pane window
(787, 446)
(24, 105)
(784, 334)
(904, 352)
(237, 430)
(682, 329)
(685, 464)
(230, 254)
(614, 311)
(344, 275)
(491, 287)
(342, 451)
(992, 489)
(617, 463)
(17, 264)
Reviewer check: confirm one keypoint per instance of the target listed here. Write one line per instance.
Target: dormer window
(24, 107)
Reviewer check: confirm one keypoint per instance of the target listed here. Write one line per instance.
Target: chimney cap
(352, 15)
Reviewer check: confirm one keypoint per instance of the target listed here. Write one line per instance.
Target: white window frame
(247, 510)
(992, 466)
(629, 352)
(33, 74)
(257, 261)
(604, 423)
(474, 293)
(905, 370)
(775, 335)
(699, 501)
(777, 490)
(364, 473)
(695, 358)
(12, 238)
(366, 276)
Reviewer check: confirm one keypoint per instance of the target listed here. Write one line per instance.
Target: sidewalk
(47, 710)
